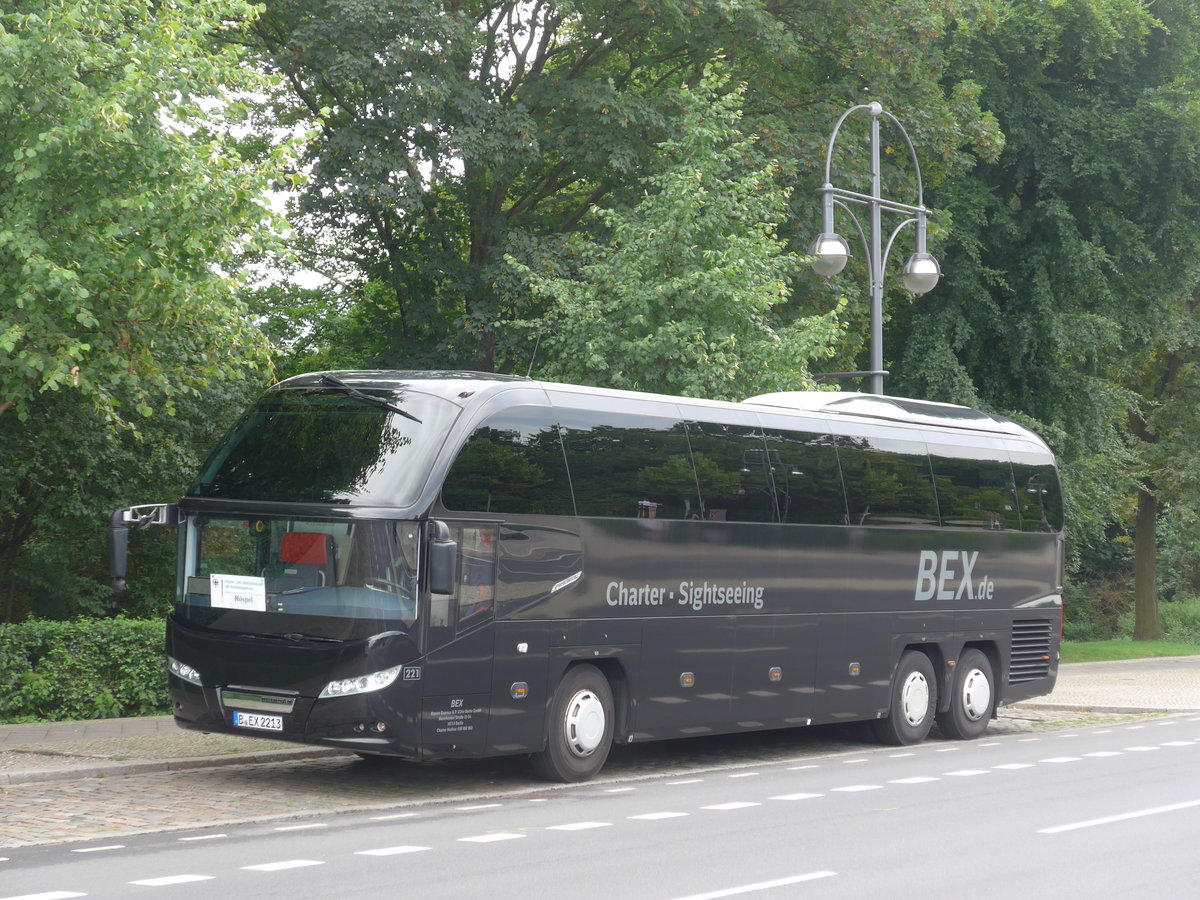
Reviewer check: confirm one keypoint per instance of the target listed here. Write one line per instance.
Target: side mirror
(118, 534)
(443, 559)
(118, 549)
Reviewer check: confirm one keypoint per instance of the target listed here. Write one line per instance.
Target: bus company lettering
(948, 575)
(693, 594)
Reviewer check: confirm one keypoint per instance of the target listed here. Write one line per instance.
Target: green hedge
(86, 669)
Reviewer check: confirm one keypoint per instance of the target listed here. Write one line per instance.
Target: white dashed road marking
(172, 879)
(1074, 826)
(734, 805)
(286, 864)
(760, 886)
(492, 838)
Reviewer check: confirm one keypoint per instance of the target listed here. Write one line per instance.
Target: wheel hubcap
(584, 723)
(976, 695)
(914, 698)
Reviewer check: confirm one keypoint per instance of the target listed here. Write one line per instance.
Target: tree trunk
(1147, 625)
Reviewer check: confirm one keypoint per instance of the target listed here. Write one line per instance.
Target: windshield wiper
(295, 638)
(354, 392)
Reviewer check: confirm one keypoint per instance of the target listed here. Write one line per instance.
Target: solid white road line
(99, 849)
(50, 895)
(1074, 826)
(579, 826)
(759, 886)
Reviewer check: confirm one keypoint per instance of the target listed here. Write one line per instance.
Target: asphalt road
(1107, 810)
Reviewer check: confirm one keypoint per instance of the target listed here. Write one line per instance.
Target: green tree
(454, 135)
(64, 471)
(686, 294)
(122, 194)
(1071, 268)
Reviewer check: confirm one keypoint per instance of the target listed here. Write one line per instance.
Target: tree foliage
(454, 135)
(1070, 283)
(121, 195)
(686, 291)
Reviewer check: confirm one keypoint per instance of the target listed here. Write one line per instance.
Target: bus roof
(466, 388)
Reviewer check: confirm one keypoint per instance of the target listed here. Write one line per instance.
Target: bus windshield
(326, 445)
(276, 575)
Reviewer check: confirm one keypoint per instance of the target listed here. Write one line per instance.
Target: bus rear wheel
(972, 698)
(580, 729)
(914, 700)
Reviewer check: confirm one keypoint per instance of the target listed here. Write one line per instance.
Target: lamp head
(831, 252)
(921, 273)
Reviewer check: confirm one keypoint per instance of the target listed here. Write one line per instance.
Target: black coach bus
(452, 564)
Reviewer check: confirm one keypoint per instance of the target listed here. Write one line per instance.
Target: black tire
(972, 698)
(579, 729)
(913, 705)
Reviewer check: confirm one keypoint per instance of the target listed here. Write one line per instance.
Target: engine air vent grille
(1030, 650)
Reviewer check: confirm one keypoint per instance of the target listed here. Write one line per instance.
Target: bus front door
(461, 639)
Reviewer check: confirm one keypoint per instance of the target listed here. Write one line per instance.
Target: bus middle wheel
(914, 700)
(580, 729)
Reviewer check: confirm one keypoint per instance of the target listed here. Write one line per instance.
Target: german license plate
(257, 721)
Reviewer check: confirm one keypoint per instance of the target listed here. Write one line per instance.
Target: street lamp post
(831, 251)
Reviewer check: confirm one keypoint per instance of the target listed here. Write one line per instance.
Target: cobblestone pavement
(78, 808)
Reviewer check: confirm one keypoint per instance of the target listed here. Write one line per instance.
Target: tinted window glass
(512, 464)
(1040, 497)
(733, 473)
(887, 482)
(976, 493)
(629, 466)
(324, 446)
(808, 484)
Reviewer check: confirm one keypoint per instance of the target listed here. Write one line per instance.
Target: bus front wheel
(972, 698)
(580, 729)
(914, 700)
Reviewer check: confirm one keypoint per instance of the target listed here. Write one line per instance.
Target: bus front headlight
(183, 671)
(363, 684)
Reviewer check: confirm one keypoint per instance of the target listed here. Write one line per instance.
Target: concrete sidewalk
(1167, 684)
(60, 751)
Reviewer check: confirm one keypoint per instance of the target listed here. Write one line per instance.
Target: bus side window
(976, 493)
(475, 593)
(807, 480)
(627, 466)
(888, 482)
(513, 463)
(1040, 497)
(733, 471)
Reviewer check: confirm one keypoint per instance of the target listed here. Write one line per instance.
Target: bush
(1180, 621)
(86, 669)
